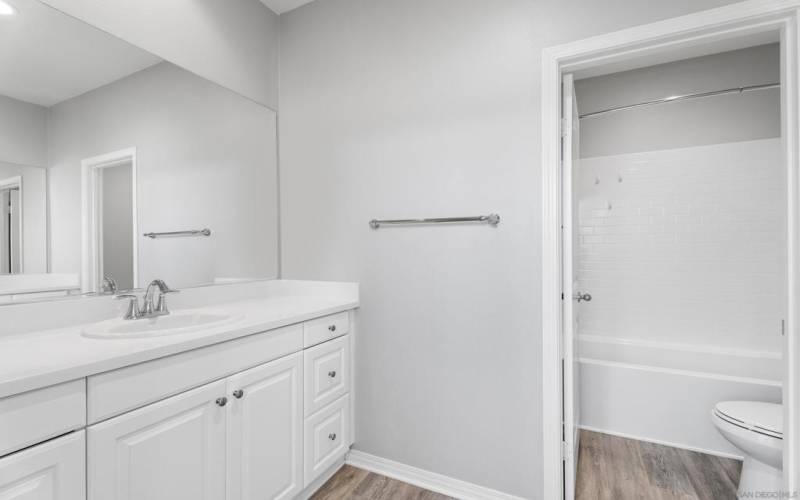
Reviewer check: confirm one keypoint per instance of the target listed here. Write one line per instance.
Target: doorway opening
(109, 223)
(11, 233)
(670, 200)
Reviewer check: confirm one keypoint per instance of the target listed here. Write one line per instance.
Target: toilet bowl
(755, 428)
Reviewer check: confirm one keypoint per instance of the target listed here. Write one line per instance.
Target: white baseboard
(425, 479)
(663, 443)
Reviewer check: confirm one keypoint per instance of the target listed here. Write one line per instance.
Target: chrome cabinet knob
(238, 394)
(332, 436)
(222, 401)
(332, 328)
(332, 374)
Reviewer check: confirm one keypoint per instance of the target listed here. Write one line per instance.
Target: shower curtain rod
(734, 90)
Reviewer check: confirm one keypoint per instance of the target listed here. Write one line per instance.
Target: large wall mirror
(119, 167)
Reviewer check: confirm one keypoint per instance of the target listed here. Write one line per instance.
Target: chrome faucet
(150, 308)
(108, 286)
(160, 308)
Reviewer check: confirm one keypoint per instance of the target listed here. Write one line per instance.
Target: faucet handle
(161, 306)
(163, 287)
(133, 306)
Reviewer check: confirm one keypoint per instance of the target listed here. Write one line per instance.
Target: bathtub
(663, 392)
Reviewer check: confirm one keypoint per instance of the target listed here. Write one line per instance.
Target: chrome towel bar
(175, 234)
(491, 219)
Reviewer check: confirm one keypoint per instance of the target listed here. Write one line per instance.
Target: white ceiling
(281, 6)
(47, 57)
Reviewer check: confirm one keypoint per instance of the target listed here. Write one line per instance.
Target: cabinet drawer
(325, 328)
(116, 392)
(35, 416)
(52, 470)
(326, 373)
(326, 438)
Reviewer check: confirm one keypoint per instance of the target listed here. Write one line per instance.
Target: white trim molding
(424, 479)
(685, 33)
(91, 255)
(10, 183)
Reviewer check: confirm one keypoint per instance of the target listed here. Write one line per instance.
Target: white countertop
(38, 359)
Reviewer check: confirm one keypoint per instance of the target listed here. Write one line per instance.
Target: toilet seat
(754, 416)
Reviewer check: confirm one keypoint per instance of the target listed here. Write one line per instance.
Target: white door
(572, 296)
(265, 441)
(55, 470)
(170, 450)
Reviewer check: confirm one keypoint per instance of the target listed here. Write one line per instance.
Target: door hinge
(783, 327)
(566, 450)
(564, 127)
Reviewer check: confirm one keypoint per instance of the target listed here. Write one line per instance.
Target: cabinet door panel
(50, 471)
(265, 431)
(170, 450)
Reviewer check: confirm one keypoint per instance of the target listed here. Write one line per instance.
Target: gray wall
(117, 212)
(23, 132)
(403, 108)
(206, 157)
(696, 122)
(230, 42)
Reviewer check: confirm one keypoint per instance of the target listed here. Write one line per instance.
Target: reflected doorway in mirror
(11, 225)
(108, 221)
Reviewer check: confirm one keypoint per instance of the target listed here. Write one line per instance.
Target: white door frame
(725, 23)
(16, 182)
(90, 213)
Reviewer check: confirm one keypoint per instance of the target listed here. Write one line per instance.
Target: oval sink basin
(171, 324)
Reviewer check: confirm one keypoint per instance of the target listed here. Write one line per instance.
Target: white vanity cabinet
(263, 416)
(170, 450)
(260, 433)
(54, 470)
(265, 453)
(239, 438)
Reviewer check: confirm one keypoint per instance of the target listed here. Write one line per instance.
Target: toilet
(756, 429)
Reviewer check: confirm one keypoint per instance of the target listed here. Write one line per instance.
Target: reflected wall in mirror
(101, 142)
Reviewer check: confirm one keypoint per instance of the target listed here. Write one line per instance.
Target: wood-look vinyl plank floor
(357, 484)
(615, 468)
(609, 468)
